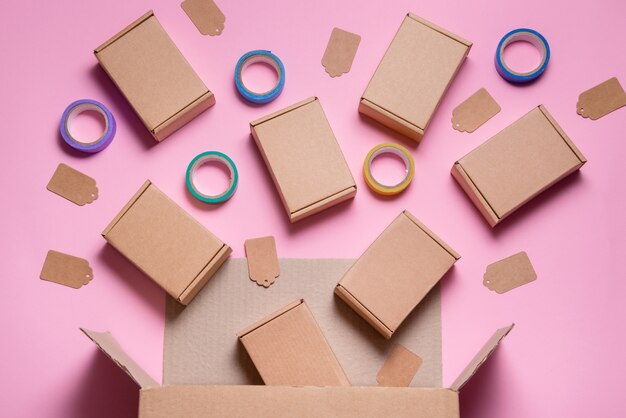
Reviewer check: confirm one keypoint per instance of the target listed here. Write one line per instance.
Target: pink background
(563, 359)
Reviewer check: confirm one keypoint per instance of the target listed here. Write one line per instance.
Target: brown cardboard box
(517, 164)
(413, 76)
(304, 159)
(259, 401)
(166, 243)
(395, 273)
(154, 76)
(289, 349)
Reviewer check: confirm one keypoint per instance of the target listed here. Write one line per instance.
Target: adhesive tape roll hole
(88, 123)
(259, 74)
(213, 160)
(531, 37)
(389, 168)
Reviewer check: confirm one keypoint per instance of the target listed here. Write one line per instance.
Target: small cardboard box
(304, 159)
(166, 243)
(413, 76)
(517, 164)
(289, 349)
(154, 76)
(260, 401)
(395, 273)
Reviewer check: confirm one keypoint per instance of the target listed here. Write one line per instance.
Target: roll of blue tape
(251, 58)
(525, 35)
(75, 109)
(202, 159)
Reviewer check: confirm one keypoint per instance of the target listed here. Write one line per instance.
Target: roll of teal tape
(204, 158)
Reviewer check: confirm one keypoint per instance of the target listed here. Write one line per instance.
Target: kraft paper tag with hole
(509, 273)
(73, 185)
(601, 99)
(399, 368)
(66, 269)
(205, 14)
(340, 52)
(474, 112)
(263, 265)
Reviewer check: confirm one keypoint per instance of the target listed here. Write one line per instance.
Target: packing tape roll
(525, 35)
(251, 58)
(73, 110)
(388, 148)
(203, 158)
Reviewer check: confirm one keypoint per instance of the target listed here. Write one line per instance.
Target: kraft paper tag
(474, 111)
(73, 185)
(263, 265)
(601, 99)
(399, 368)
(340, 52)
(66, 269)
(205, 14)
(509, 273)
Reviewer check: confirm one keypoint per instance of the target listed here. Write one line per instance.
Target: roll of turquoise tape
(204, 158)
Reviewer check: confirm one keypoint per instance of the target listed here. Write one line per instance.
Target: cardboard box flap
(109, 346)
(481, 357)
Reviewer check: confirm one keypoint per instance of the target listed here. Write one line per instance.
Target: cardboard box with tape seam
(395, 273)
(195, 401)
(166, 243)
(304, 159)
(153, 75)
(517, 164)
(413, 76)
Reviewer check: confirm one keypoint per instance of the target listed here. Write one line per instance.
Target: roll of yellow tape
(388, 148)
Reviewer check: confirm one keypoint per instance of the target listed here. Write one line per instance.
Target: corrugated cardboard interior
(395, 273)
(201, 345)
(148, 68)
(517, 164)
(304, 158)
(413, 76)
(289, 349)
(165, 242)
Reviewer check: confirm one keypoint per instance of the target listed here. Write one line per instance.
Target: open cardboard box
(413, 76)
(195, 401)
(153, 75)
(517, 164)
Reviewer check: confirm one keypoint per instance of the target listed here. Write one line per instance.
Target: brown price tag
(205, 14)
(340, 52)
(509, 273)
(474, 111)
(263, 267)
(66, 269)
(601, 99)
(73, 185)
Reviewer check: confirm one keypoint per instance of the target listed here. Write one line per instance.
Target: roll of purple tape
(75, 109)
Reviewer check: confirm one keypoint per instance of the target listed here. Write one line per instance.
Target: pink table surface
(563, 359)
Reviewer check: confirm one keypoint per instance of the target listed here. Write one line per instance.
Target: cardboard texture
(263, 267)
(66, 269)
(517, 164)
(166, 243)
(474, 111)
(154, 76)
(509, 273)
(601, 100)
(288, 348)
(205, 15)
(395, 273)
(399, 368)
(340, 52)
(413, 76)
(304, 159)
(200, 346)
(285, 401)
(73, 185)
